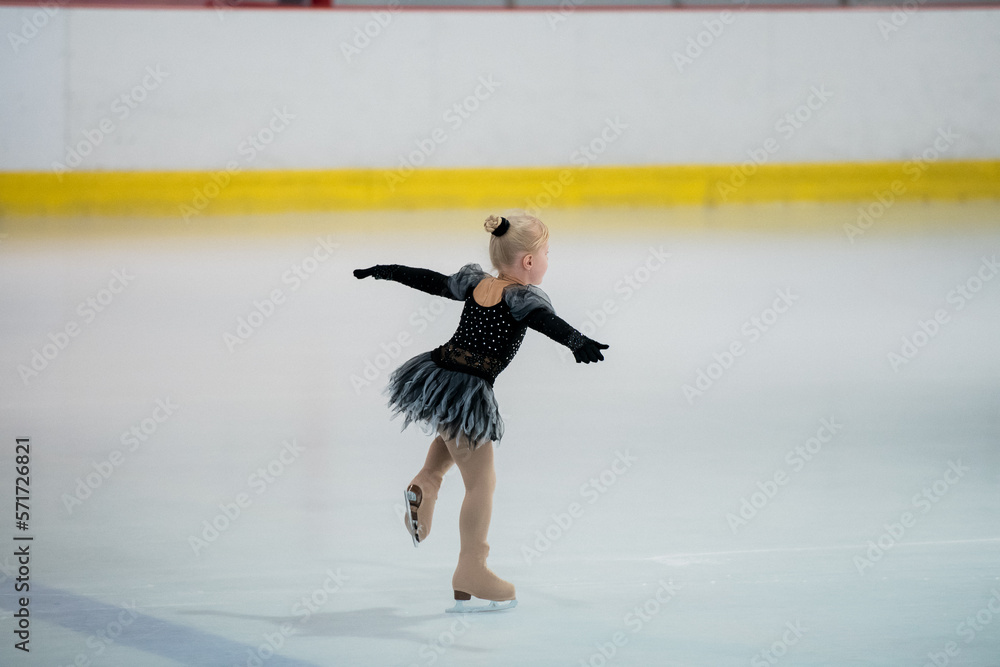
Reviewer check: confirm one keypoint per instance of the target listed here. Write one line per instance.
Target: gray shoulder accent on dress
(523, 300)
(466, 277)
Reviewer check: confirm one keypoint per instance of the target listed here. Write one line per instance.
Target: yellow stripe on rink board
(188, 195)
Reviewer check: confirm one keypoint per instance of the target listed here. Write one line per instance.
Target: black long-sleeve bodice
(487, 337)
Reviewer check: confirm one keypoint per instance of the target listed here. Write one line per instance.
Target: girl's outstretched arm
(585, 350)
(424, 280)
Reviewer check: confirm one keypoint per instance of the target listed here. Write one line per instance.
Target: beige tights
(472, 577)
(428, 481)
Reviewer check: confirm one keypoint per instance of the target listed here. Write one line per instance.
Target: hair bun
(492, 223)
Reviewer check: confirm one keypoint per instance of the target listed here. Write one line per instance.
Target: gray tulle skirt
(437, 399)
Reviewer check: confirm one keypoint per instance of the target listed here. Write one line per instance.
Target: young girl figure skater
(449, 390)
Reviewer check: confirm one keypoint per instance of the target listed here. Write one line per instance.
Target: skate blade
(409, 500)
(469, 607)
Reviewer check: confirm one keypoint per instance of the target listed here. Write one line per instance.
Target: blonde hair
(527, 234)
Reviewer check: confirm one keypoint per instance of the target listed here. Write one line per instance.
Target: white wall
(561, 78)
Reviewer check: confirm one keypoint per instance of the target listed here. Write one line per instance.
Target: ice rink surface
(791, 454)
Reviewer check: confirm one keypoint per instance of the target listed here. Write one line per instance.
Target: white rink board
(852, 90)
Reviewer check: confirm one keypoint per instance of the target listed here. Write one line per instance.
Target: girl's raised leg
(422, 492)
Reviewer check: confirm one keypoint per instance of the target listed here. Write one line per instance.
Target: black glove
(590, 351)
(364, 273)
